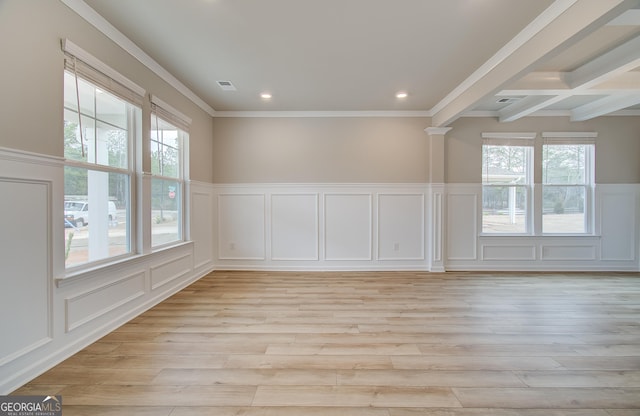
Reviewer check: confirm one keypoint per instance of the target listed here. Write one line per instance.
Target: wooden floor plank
(368, 344)
(499, 412)
(551, 398)
(359, 396)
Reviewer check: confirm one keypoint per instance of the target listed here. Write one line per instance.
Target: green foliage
(558, 208)
(68, 247)
(564, 164)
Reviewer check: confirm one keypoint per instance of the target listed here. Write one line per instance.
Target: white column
(437, 217)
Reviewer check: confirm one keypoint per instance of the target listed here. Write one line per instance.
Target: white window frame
(81, 64)
(165, 112)
(576, 139)
(523, 139)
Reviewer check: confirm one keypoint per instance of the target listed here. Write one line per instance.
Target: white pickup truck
(76, 213)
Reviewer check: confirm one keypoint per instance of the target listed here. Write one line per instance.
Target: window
(567, 168)
(101, 122)
(168, 141)
(564, 199)
(506, 184)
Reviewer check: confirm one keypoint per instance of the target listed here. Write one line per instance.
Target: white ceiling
(452, 57)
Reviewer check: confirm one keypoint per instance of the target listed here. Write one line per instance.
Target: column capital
(437, 131)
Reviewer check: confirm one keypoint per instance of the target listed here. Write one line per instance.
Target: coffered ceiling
(453, 58)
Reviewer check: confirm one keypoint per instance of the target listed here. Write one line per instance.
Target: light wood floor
(369, 344)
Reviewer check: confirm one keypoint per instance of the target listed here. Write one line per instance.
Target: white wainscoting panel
(83, 308)
(432, 227)
(613, 246)
(294, 227)
(323, 226)
(25, 282)
(401, 234)
(348, 227)
(437, 229)
(462, 225)
(202, 230)
(568, 252)
(241, 226)
(170, 270)
(618, 216)
(510, 252)
(48, 313)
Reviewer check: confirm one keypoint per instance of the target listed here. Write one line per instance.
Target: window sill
(128, 261)
(550, 235)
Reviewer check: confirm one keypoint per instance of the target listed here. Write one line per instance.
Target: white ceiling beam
(558, 27)
(604, 106)
(628, 18)
(527, 106)
(619, 60)
(553, 83)
(567, 93)
(534, 81)
(627, 81)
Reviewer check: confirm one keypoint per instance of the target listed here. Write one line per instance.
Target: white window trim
(575, 138)
(167, 113)
(521, 139)
(82, 64)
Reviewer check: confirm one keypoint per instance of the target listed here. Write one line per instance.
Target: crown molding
(320, 114)
(106, 28)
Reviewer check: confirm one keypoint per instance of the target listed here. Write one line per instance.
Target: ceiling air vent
(508, 100)
(226, 85)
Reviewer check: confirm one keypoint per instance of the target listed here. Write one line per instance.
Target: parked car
(76, 213)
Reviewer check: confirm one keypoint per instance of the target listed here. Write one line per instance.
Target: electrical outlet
(396, 246)
(232, 246)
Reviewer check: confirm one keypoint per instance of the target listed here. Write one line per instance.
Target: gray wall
(31, 79)
(269, 150)
(320, 150)
(617, 145)
(392, 150)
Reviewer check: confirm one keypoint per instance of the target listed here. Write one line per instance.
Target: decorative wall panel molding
(170, 270)
(613, 246)
(85, 307)
(202, 224)
(348, 227)
(568, 252)
(295, 227)
(241, 226)
(26, 283)
(324, 226)
(462, 222)
(618, 220)
(60, 313)
(437, 227)
(401, 227)
(509, 252)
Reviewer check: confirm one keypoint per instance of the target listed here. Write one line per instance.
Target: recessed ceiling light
(265, 96)
(402, 94)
